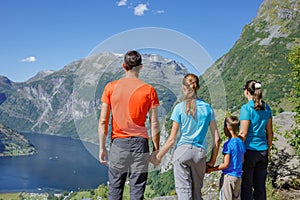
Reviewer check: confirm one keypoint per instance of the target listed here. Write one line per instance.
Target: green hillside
(260, 53)
(12, 143)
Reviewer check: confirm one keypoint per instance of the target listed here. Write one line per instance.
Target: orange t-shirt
(130, 100)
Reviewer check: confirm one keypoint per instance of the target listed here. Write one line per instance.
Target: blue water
(61, 164)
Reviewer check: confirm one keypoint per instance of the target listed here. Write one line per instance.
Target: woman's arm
(270, 133)
(216, 139)
(169, 143)
(244, 126)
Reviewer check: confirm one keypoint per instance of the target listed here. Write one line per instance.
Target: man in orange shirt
(129, 100)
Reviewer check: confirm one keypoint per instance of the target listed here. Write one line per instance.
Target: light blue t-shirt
(236, 149)
(193, 130)
(256, 138)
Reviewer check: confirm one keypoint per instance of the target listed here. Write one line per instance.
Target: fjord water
(61, 164)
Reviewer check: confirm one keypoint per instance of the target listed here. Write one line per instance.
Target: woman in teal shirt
(192, 117)
(257, 133)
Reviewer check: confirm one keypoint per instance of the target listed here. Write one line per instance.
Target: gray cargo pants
(128, 156)
(189, 169)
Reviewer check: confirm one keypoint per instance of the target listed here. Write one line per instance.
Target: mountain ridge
(66, 102)
(59, 102)
(260, 53)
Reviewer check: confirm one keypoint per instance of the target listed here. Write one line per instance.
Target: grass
(272, 193)
(10, 196)
(102, 192)
(22, 196)
(81, 195)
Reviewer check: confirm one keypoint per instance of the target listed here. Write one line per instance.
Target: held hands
(153, 159)
(103, 156)
(209, 168)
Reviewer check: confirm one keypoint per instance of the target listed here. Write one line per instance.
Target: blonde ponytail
(191, 82)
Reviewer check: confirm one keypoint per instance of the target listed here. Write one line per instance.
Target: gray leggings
(189, 169)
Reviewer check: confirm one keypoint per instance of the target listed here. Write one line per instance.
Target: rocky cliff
(66, 102)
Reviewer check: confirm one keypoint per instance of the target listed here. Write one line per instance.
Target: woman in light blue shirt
(192, 117)
(257, 132)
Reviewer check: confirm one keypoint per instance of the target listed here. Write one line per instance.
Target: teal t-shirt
(193, 130)
(256, 138)
(236, 149)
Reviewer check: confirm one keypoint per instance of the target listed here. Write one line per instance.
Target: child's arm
(222, 166)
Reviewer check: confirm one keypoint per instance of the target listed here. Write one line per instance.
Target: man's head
(132, 59)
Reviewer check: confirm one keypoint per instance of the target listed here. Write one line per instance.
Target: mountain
(40, 75)
(12, 143)
(259, 53)
(66, 102)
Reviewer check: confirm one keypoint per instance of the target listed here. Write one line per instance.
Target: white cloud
(160, 12)
(140, 9)
(122, 3)
(29, 59)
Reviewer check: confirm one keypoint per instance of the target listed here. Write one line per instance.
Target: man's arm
(154, 128)
(102, 132)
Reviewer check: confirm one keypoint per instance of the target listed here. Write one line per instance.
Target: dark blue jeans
(254, 175)
(128, 157)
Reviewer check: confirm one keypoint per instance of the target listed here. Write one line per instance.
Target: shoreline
(11, 155)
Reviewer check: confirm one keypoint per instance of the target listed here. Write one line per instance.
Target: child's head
(231, 124)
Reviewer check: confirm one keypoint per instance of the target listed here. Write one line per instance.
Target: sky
(39, 35)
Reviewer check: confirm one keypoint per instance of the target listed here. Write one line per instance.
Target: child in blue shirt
(233, 151)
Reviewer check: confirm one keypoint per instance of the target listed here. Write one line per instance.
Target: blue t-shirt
(256, 138)
(236, 149)
(193, 130)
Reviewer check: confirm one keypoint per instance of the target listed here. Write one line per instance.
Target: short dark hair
(232, 121)
(132, 59)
